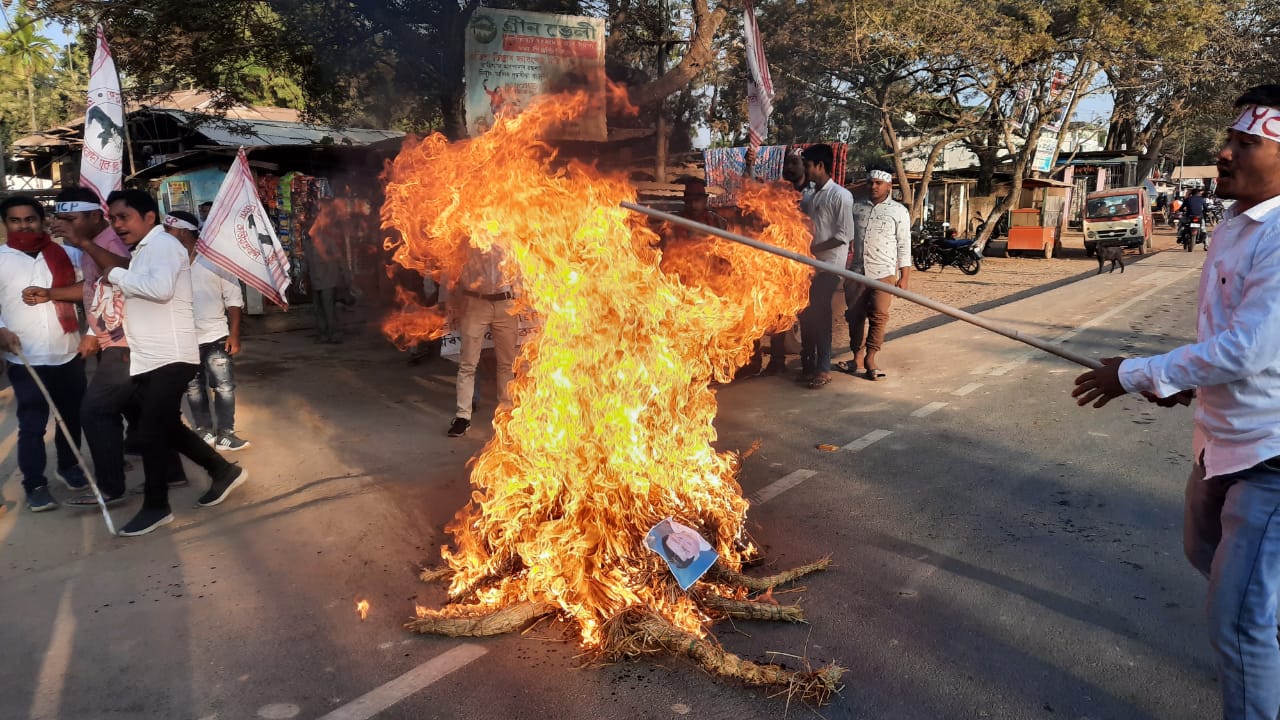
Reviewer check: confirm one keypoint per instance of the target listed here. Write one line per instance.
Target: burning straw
(611, 427)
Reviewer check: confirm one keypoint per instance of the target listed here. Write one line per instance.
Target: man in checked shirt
(881, 250)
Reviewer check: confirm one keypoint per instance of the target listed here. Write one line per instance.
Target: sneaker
(458, 427)
(229, 442)
(40, 499)
(227, 480)
(73, 477)
(207, 436)
(89, 500)
(145, 521)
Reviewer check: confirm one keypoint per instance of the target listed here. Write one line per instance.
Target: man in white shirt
(218, 303)
(830, 207)
(160, 326)
(881, 250)
(79, 220)
(1231, 533)
(488, 305)
(49, 336)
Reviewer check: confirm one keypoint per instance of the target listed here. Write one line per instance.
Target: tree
(28, 54)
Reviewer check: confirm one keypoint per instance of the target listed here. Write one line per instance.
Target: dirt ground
(1003, 279)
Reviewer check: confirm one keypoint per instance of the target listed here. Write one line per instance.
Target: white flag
(239, 237)
(101, 162)
(760, 85)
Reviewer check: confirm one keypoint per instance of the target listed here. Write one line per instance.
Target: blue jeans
(1232, 533)
(214, 375)
(66, 385)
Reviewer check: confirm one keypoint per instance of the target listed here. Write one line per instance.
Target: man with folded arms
(49, 336)
(160, 326)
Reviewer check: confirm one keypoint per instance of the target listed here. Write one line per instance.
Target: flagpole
(916, 298)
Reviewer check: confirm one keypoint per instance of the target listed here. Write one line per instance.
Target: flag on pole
(239, 237)
(760, 85)
(101, 161)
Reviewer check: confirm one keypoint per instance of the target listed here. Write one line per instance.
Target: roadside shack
(1038, 219)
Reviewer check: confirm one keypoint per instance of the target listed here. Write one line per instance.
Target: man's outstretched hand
(1099, 386)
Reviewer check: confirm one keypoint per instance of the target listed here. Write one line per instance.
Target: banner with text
(513, 56)
(102, 159)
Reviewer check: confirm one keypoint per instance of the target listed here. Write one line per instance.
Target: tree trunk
(1147, 161)
(700, 54)
(31, 103)
(453, 109)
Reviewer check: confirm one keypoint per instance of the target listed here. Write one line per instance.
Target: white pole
(916, 298)
(75, 447)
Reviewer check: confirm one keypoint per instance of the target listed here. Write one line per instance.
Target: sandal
(845, 366)
(819, 380)
(874, 373)
(87, 500)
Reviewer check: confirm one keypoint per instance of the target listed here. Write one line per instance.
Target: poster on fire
(513, 56)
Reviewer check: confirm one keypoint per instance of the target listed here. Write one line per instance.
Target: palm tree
(24, 51)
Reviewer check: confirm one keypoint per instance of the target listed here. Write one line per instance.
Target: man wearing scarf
(78, 219)
(49, 337)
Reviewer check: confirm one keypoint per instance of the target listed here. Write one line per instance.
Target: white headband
(76, 206)
(177, 222)
(879, 175)
(1259, 120)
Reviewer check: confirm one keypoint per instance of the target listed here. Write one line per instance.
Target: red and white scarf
(64, 273)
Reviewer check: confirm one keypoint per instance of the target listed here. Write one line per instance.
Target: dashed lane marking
(961, 392)
(867, 440)
(384, 696)
(781, 485)
(928, 410)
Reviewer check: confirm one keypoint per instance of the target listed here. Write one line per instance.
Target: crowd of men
(160, 323)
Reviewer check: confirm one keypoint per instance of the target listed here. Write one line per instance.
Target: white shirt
(212, 292)
(830, 207)
(1234, 365)
(158, 320)
(43, 340)
(881, 238)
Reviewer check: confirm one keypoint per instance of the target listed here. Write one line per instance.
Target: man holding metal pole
(49, 337)
(1232, 514)
(830, 207)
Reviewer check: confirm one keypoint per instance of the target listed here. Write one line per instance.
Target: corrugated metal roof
(1198, 172)
(251, 133)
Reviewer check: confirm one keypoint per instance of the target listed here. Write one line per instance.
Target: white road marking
(867, 440)
(961, 392)
(928, 410)
(50, 683)
(279, 711)
(384, 696)
(779, 486)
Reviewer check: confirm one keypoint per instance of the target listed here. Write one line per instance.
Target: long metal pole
(916, 298)
(75, 447)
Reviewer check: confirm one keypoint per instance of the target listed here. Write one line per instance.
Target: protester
(830, 208)
(1233, 370)
(882, 251)
(163, 355)
(218, 303)
(793, 177)
(488, 303)
(49, 337)
(79, 220)
(204, 210)
(325, 267)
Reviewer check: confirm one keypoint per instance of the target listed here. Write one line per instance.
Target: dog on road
(1114, 253)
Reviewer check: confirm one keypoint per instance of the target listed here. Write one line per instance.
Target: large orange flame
(611, 428)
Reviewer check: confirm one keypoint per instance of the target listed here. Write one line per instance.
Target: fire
(611, 428)
(362, 607)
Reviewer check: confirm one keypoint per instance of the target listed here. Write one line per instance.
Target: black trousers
(110, 397)
(162, 435)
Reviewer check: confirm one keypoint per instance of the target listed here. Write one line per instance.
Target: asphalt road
(999, 553)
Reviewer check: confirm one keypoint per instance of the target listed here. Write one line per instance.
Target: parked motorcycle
(1191, 232)
(946, 252)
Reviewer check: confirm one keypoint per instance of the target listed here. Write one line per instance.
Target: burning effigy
(610, 427)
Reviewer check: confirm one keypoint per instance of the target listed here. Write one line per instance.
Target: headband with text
(880, 175)
(177, 222)
(1259, 120)
(75, 206)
